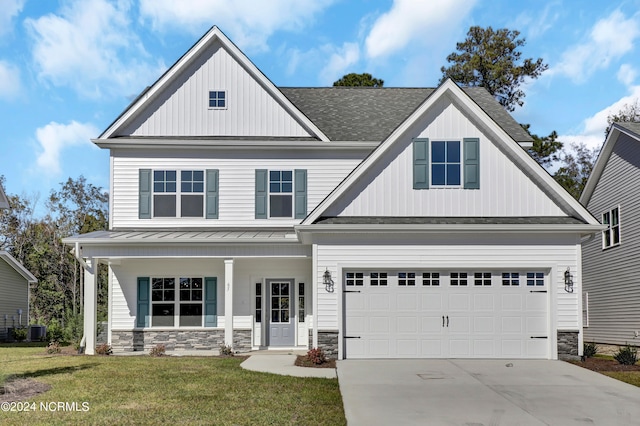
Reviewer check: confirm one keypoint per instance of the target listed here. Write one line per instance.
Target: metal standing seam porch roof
(228, 236)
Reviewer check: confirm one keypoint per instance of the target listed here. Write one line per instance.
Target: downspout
(90, 269)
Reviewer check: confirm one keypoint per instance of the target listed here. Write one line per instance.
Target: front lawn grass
(168, 390)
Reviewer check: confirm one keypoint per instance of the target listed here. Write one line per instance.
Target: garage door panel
(379, 325)
(488, 320)
(407, 324)
(432, 302)
(407, 302)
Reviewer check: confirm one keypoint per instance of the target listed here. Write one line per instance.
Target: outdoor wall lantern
(568, 281)
(327, 281)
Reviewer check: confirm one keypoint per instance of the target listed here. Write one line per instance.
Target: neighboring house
(14, 288)
(370, 222)
(611, 260)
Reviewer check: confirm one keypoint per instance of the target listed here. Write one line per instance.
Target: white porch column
(228, 302)
(90, 307)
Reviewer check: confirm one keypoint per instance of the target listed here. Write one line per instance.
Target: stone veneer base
(144, 340)
(328, 342)
(568, 345)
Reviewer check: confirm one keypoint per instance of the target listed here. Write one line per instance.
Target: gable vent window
(611, 235)
(217, 99)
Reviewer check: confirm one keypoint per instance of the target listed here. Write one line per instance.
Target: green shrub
(626, 355)
(104, 349)
(590, 350)
(19, 334)
(316, 356)
(158, 350)
(226, 350)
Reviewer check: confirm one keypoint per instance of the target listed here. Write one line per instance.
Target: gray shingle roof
(363, 220)
(633, 127)
(371, 114)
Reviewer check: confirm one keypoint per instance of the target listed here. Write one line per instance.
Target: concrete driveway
(483, 392)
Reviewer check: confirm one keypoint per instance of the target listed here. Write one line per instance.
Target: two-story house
(370, 222)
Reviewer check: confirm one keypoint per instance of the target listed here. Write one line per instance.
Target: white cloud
(55, 138)
(593, 128)
(536, 24)
(9, 10)
(339, 62)
(626, 74)
(90, 47)
(410, 20)
(610, 39)
(248, 22)
(9, 80)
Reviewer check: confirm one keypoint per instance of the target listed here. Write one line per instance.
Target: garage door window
(406, 278)
(535, 278)
(482, 278)
(378, 278)
(431, 278)
(510, 278)
(355, 278)
(459, 278)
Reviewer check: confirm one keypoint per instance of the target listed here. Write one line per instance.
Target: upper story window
(168, 200)
(280, 193)
(445, 163)
(217, 99)
(611, 235)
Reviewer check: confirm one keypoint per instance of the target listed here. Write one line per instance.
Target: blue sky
(69, 67)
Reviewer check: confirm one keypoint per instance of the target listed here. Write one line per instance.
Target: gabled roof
(631, 129)
(371, 114)
(212, 36)
(466, 103)
(4, 201)
(11, 261)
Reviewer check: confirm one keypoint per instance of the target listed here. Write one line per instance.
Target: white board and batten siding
(14, 295)
(236, 186)
(247, 271)
(386, 189)
(553, 256)
(611, 275)
(182, 109)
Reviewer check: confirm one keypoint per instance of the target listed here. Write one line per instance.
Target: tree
(577, 165)
(492, 59)
(545, 150)
(364, 79)
(628, 113)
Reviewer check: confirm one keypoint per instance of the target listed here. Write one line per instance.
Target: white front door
(281, 324)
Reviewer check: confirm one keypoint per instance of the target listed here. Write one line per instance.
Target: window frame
(179, 191)
(214, 95)
(446, 163)
(612, 230)
(177, 303)
(281, 193)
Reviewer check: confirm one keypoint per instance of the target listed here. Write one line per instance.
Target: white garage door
(446, 314)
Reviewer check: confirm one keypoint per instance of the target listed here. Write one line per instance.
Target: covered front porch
(195, 291)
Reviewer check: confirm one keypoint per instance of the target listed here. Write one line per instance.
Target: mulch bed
(603, 364)
(303, 361)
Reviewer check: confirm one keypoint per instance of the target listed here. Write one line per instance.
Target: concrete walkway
(483, 392)
(283, 363)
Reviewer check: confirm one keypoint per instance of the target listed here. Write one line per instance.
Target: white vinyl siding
(183, 109)
(236, 185)
(14, 295)
(455, 253)
(387, 188)
(246, 273)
